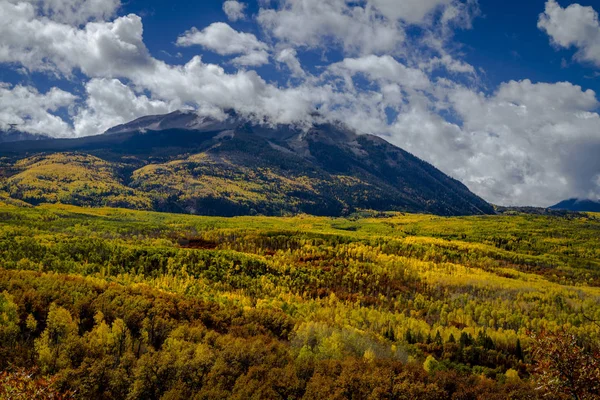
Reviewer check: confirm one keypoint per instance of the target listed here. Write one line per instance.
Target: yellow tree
(57, 339)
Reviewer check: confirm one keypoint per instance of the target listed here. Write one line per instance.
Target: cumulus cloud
(526, 144)
(412, 11)
(224, 40)
(361, 27)
(40, 44)
(289, 57)
(574, 26)
(381, 68)
(312, 23)
(234, 10)
(116, 50)
(449, 63)
(25, 109)
(109, 103)
(77, 12)
(208, 85)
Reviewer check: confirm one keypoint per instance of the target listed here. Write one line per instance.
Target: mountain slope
(184, 163)
(73, 179)
(18, 136)
(580, 205)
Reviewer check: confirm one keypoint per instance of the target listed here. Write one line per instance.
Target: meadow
(109, 303)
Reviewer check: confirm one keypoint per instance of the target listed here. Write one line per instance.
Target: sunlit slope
(71, 179)
(373, 296)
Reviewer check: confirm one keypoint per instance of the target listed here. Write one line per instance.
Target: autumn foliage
(118, 304)
(564, 368)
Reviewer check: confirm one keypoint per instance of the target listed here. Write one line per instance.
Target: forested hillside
(112, 304)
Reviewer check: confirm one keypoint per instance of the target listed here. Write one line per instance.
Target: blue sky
(501, 95)
(504, 41)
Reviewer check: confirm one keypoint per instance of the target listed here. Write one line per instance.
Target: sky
(500, 95)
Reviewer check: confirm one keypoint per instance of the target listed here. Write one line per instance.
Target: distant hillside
(581, 205)
(184, 163)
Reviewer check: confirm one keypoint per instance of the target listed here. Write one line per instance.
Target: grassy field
(114, 303)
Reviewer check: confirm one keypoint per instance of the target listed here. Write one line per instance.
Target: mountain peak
(576, 204)
(180, 119)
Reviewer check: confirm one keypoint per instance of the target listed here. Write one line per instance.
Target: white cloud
(208, 85)
(383, 68)
(450, 64)
(234, 10)
(109, 103)
(360, 27)
(77, 12)
(289, 57)
(527, 144)
(116, 50)
(100, 48)
(574, 26)
(224, 40)
(27, 110)
(312, 23)
(411, 11)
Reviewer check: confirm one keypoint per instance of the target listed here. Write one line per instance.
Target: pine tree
(519, 350)
(408, 337)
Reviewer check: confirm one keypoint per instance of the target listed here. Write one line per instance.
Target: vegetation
(113, 303)
(72, 179)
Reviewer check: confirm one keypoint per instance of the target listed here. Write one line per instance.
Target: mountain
(185, 120)
(581, 205)
(182, 162)
(18, 136)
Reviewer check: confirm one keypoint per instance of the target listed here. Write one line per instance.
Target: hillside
(189, 164)
(113, 304)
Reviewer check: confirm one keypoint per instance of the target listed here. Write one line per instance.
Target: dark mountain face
(184, 163)
(580, 205)
(18, 136)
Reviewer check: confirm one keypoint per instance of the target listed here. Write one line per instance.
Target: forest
(107, 303)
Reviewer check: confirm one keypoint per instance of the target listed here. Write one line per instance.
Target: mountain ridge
(580, 205)
(182, 162)
(12, 135)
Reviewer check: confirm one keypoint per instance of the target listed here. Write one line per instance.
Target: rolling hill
(185, 163)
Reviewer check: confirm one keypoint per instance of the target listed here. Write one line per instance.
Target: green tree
(9, 327)
(57, 340)
(9, 320)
